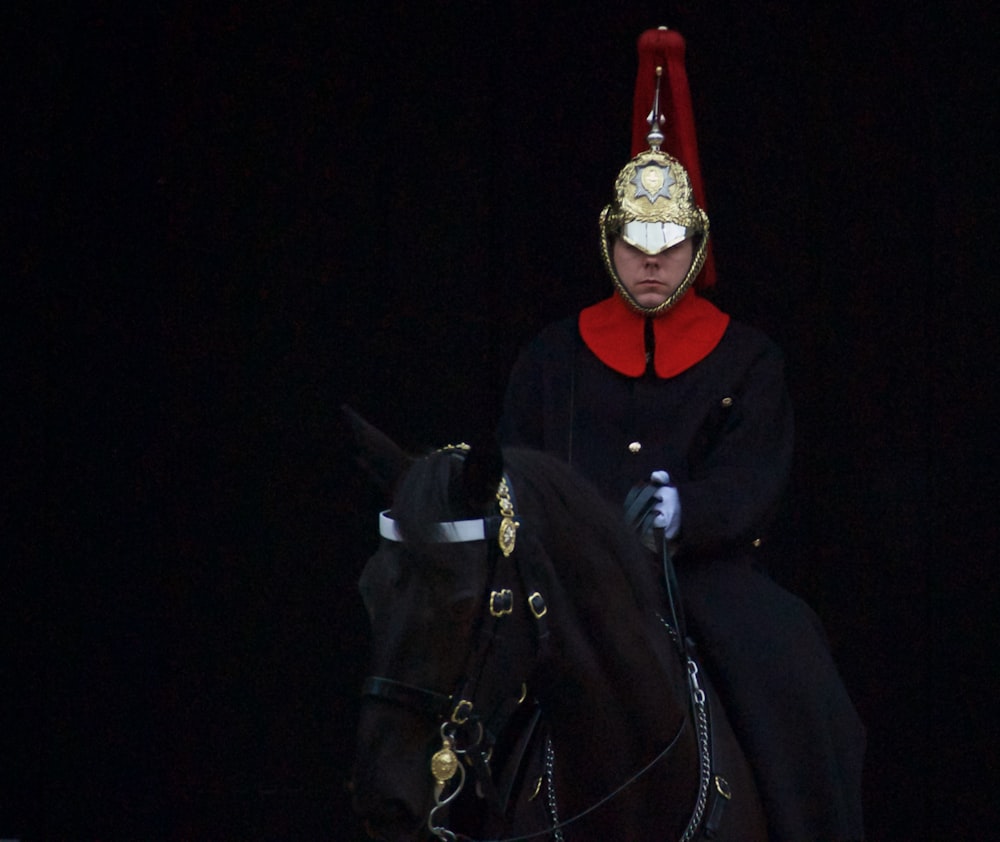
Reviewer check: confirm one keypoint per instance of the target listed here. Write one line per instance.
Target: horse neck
(628, 679)
(614, 695)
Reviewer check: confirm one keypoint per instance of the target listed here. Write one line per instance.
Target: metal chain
(550, 794)
(704, 756)
(704, 751)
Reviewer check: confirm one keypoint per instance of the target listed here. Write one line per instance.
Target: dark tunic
(723, 430)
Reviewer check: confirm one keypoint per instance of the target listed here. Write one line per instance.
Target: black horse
(526, 679)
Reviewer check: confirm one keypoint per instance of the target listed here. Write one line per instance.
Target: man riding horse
(655, 385)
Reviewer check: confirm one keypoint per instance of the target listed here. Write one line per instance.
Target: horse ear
(482, 472)
(378, 455)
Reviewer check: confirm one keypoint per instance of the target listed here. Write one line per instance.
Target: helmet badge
(653, 182)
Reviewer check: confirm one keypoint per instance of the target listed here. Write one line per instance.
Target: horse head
(462, 625)
(439, 596)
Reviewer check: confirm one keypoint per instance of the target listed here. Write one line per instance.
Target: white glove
(668, 505)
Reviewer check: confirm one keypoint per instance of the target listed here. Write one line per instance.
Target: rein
(559, 825)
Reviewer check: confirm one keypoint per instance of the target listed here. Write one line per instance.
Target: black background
(223, 222)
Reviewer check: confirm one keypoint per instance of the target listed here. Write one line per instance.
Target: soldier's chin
(650, 298)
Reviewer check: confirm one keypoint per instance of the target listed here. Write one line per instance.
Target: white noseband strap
(451, 531)
(460, 531)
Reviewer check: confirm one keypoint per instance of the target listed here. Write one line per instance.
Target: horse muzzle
(386, 818)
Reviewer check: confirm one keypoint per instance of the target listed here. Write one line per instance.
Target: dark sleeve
(735, 482)
(534, 410)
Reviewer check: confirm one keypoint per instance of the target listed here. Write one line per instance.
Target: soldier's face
(652, 278)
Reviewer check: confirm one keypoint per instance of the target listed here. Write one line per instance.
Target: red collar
(685, 335)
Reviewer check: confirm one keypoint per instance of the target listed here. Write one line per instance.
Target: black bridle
(429, 704)
(462, 727)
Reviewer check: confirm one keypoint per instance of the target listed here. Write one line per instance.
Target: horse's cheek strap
(415, 698)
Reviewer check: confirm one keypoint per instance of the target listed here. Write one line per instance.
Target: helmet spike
(661, 78)
(655, 118)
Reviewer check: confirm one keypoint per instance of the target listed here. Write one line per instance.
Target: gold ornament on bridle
(507, 534)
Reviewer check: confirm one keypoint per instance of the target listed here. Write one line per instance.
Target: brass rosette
(444, 763)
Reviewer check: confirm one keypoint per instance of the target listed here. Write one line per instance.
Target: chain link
(704, 751)
(550, 794)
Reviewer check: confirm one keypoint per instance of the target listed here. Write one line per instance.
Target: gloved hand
(668, 505)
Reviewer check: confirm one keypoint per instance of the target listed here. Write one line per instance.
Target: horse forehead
(458, 563)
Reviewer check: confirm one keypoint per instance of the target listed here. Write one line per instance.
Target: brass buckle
(501, 602)
(536, 602)
(462, 711)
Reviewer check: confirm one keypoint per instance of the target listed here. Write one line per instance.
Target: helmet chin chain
(607, 229)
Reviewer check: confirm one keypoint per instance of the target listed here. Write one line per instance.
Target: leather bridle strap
(427, 702)
(499, 533)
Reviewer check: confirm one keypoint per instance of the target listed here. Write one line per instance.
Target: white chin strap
(451, 531)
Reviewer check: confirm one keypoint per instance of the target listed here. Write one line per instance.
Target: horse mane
(582, 531)
(429, 493)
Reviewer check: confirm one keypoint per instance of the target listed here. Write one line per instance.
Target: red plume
(665, 48)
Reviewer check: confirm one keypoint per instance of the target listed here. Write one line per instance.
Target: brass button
(727, 402)
(756, 542)
(635, 447)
